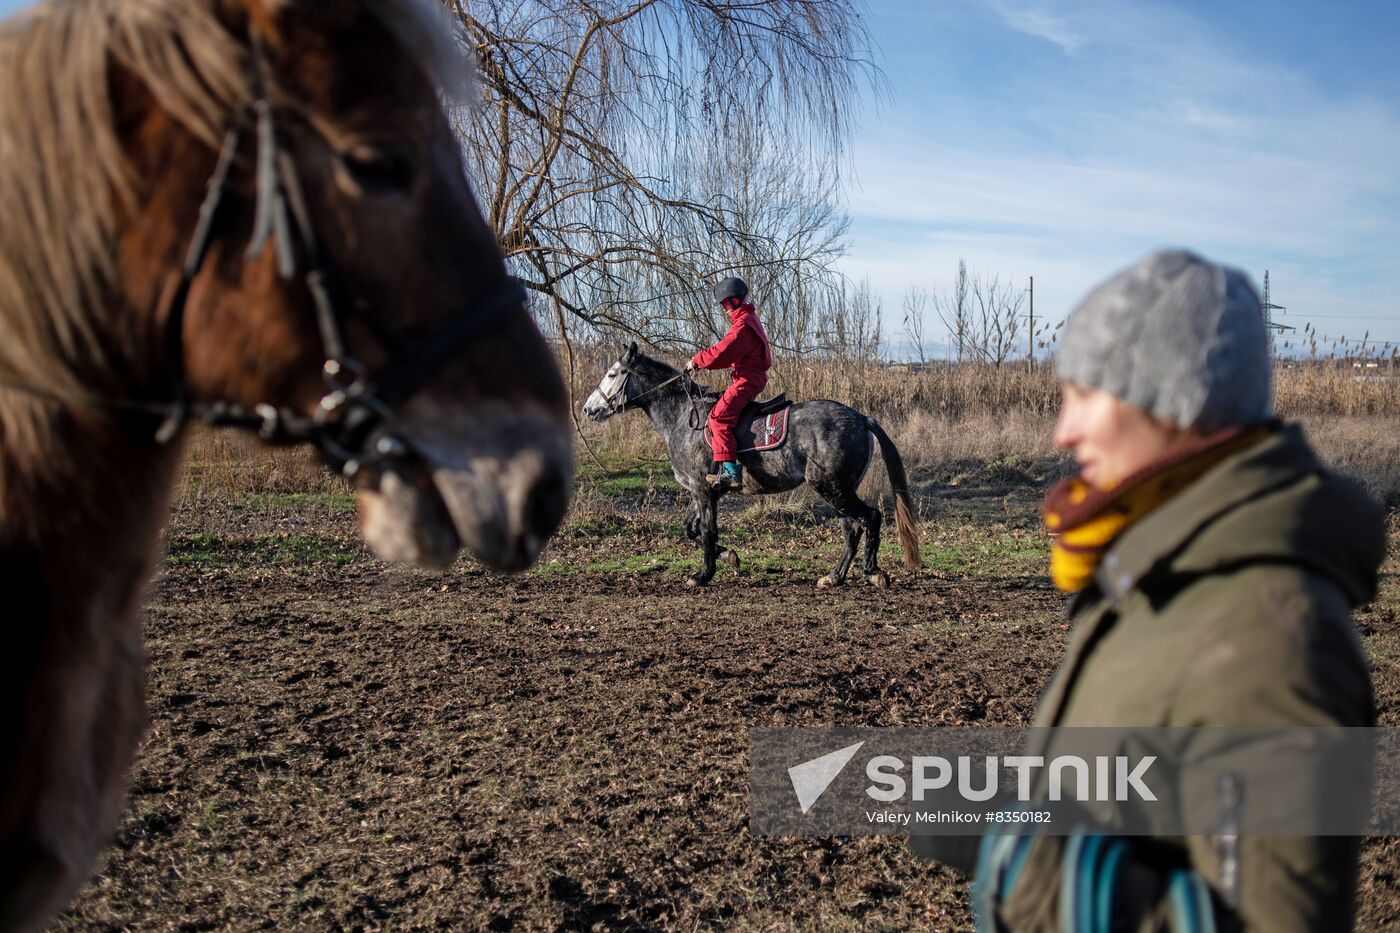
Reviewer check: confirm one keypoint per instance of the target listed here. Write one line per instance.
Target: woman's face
(1110, 438)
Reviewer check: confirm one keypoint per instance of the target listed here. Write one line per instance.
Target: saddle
(762, 424)
(760, 407)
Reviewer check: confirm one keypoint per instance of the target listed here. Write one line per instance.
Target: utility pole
(1030, 342)
(1269, 323)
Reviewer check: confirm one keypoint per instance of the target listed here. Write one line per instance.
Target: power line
(1357, 317)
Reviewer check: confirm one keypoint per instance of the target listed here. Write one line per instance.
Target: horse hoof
(729, 557)
(826, 581)
(879, 578)
(693, 582)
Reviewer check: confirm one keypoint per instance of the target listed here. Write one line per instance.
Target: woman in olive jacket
(1213, 563)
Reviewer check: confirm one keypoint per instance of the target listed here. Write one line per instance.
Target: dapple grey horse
(829, 446)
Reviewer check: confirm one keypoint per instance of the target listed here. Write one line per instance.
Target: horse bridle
(696, 419)
(354, 404)
(616, 405)
(618, 400)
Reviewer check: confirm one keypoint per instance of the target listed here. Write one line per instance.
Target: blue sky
(1066, 139)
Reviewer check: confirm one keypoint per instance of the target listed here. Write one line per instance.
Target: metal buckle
(387, 447)
(348, 386)
(345, 379)
(271, 421)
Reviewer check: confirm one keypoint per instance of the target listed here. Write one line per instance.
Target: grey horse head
(612, 393)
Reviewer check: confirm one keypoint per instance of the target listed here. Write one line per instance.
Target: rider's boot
(730, 476)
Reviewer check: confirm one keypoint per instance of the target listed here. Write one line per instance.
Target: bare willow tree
(983, 316)
(915, 308)
(999, 306)
(955, 311)
(630, 151)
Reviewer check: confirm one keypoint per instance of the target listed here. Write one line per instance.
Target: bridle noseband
(618, 400)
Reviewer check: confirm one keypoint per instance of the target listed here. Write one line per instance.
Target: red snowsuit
(745, 350)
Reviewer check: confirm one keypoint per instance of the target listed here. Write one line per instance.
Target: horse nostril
(545, 504)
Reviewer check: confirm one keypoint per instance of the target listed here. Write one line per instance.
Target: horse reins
(354, 405)
(614, 406)
(695, 419)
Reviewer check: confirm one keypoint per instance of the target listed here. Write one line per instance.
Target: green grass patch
(642, 546)
(634, 482)
(211, 550)
(644, 527)
(605, 526)
(288, 501)
(984, 552)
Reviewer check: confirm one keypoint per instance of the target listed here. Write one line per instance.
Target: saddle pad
(763, 433)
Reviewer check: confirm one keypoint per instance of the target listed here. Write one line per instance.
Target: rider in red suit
(745, 351)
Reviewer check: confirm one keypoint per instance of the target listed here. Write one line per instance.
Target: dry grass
(1364, 446)
(224, 464)
(1337, 387)
(1331, 386)
(931, 441)
(947, 420)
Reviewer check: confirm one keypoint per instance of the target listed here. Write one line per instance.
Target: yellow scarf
(1083, 521)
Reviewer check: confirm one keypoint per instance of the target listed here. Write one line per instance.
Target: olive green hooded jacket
(1230, 605)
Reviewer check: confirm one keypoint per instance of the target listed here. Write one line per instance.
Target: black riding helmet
(731, 288)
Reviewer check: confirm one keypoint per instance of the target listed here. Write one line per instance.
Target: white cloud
(1209, 117)
(1040, 24)
(1164, 135)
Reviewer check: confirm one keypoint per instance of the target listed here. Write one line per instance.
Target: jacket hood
(738, 313)
(1273, 502)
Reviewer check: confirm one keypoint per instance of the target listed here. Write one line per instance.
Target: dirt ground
(339, 744)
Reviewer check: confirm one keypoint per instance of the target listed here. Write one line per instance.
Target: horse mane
(63, 173)
(64, 177)
(697, 390)
(661, 371)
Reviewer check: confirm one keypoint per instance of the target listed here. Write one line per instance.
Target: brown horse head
(354, 90)
(342, 180)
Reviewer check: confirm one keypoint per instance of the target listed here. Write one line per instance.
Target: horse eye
(380, 169)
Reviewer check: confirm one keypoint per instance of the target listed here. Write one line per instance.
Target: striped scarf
(1084, 521)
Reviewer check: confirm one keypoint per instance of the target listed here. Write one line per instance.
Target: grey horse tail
(904, 521)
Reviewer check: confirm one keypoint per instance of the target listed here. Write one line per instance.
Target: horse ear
(632, 352)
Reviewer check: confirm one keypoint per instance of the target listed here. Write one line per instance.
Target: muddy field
(337, 744)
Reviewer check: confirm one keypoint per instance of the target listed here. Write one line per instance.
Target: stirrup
(723, 480)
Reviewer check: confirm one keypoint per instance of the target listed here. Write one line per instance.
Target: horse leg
(692, 532)
(850, 533)
(692, 522)
(866, 518)
(709, 540)
(873, 574)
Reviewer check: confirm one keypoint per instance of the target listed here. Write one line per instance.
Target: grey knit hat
(1179, 337)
